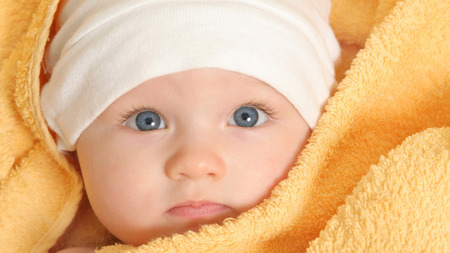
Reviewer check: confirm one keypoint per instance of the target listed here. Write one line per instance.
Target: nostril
(178, 177)
(211, 175)
(194, 165)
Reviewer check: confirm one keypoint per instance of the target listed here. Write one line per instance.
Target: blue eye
(247, 116)
(146, 121)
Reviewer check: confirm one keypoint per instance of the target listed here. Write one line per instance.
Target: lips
(197, 209)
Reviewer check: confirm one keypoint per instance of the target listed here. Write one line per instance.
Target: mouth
(198, 209)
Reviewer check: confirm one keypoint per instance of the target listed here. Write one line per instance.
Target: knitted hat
(107, 47)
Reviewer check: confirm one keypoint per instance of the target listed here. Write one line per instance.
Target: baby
(183, 112)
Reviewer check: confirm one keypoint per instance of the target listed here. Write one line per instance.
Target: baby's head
(186, 112)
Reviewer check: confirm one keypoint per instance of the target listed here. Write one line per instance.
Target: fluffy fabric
(372, 177)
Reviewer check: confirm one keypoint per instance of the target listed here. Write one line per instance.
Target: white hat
(107, 47)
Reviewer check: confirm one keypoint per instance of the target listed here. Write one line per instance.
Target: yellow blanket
(374, 176)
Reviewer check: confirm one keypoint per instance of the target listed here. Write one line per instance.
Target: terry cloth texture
(287, 44)
(374, 176)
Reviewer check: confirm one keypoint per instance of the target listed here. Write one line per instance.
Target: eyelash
(125, 116)
(262, 105)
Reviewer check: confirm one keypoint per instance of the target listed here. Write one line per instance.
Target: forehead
(205, 85)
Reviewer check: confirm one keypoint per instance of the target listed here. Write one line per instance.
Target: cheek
(114, 160)
(116, 180)
(100, 162)
(104, 176)
(276, 159)
(277, 150)
(259, 170)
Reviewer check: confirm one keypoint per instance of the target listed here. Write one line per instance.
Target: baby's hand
(76, 250)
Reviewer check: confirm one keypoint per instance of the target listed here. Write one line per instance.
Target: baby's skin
(187, 149)
(76, 250)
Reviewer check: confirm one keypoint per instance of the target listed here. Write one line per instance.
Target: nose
(195, 164)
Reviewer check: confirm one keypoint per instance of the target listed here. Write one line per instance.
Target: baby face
(186, 149)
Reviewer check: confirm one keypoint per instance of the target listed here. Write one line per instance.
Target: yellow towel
(374, 176)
